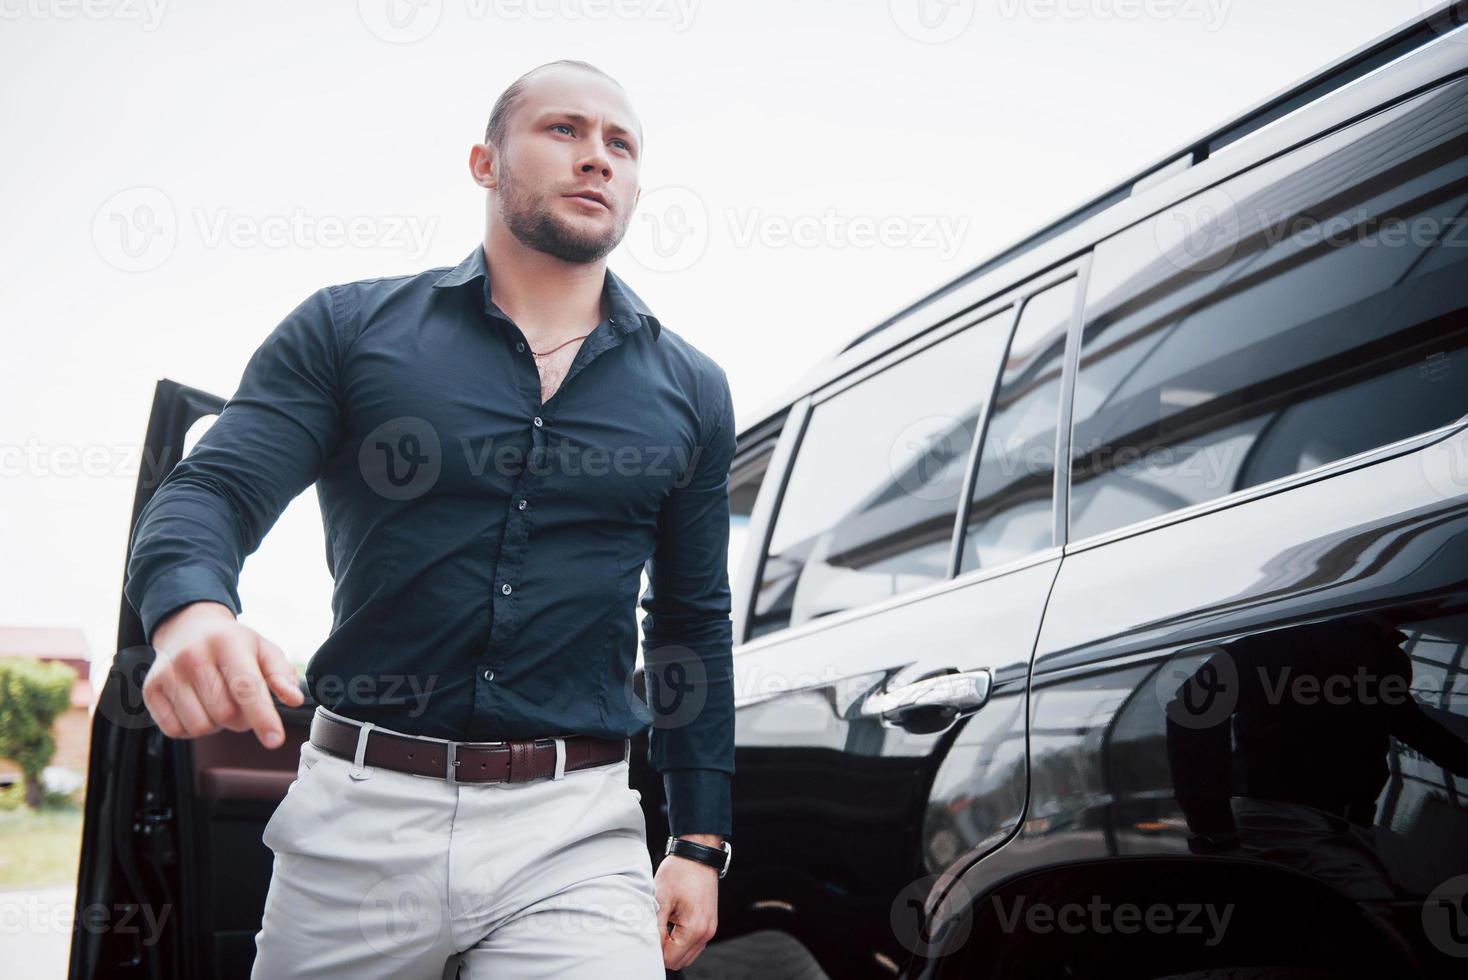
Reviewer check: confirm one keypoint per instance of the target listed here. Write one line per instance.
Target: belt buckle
(452, 774)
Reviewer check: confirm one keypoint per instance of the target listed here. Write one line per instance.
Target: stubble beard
(533, 223)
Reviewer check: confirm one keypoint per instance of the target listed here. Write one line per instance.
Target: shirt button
(537, 421)
(520, 346)
(505, 588)
(521, 504)
(489, 675)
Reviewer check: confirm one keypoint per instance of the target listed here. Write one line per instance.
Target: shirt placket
(507, 598)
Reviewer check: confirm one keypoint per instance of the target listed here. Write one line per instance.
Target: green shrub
(12, 797)
(32, 695)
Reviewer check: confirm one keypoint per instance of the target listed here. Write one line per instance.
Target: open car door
(173, 873)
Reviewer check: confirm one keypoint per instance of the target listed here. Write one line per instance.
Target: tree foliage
(32, 695)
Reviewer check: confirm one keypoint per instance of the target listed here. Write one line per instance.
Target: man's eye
(565, 126)
(623, 144)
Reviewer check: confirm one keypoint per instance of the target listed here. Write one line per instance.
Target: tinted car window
(1010, 514)
(872, 497)
(1306, 311)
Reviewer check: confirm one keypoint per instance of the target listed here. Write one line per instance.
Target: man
(499, 449)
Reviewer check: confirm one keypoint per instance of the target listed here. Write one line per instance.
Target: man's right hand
(213, 672)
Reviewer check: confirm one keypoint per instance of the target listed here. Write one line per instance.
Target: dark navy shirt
(487, 548)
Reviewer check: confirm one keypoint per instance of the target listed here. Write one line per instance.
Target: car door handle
(949, 694)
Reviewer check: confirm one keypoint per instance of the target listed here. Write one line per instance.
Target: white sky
(777, 132)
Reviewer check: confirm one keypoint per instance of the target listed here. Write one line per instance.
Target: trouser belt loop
(560, 772)
(359, 769)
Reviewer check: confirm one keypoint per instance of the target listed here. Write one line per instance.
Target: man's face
(571, 138)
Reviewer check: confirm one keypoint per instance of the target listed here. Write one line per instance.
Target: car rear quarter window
(1306, 311)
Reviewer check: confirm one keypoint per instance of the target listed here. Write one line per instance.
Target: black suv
(1101, 615)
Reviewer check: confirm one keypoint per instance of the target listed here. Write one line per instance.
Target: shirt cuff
(178, 587)
(698, 801)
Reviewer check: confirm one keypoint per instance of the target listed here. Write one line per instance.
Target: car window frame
(775, 449)
(1077, 269)
(772, 492)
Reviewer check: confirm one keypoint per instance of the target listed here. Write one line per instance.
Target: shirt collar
(627, 308)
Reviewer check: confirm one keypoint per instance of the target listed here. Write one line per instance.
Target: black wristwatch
(714, 857)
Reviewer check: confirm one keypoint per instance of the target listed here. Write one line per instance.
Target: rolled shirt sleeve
(688, 635)
(268, 444)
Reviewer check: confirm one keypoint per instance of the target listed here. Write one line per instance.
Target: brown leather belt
(465, 762)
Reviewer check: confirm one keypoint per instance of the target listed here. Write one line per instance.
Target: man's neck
(548, 299)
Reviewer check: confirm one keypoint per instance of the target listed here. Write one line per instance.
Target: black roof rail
(1390, 46)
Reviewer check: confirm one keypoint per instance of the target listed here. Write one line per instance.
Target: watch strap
(715, 857)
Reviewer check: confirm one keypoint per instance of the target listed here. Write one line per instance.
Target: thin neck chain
(557, 347)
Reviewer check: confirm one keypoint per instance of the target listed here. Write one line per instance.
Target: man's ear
(486, 173)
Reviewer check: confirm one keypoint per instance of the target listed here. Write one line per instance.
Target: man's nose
(597, 161)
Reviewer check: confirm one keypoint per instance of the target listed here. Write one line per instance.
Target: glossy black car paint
(1320, 599)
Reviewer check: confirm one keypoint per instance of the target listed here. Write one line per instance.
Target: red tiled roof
(44, 642)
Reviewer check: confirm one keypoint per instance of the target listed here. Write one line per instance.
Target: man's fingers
(220, 675)
(242, 668)
(683, 953)
(674, 949)
(195, 689)
(665, 912)
(195, 720)
(280, 674)
(218, 697)
(158, 696)
(687, 941)
(690, 949)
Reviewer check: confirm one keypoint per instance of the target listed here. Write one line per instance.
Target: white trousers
(395, 875)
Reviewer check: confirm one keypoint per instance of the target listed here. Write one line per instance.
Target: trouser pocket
(312, 764)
